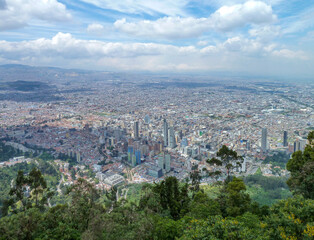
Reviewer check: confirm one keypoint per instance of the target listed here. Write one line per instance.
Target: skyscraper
(138, 156)
(299, 145)
(285, 138)
(264, 139)
(161, 161)
(165, 132)
(171, 137)
(78, 157)
(130, 154)
(133, 160)
(167, 162)
(136, 130)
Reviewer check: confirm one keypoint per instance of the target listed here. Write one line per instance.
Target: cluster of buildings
(15, 160)
(161, 131)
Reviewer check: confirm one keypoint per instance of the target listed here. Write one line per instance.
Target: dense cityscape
(134, 131)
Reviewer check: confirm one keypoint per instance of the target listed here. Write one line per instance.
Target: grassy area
(211, 190)
(134, 192)
(264, 190)
(259, 171)
(264, 197)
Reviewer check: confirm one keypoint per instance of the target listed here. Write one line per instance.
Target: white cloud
(235, 54)
(286, 53)
(167, 7)
(240, 45)
(167, 27)
(225, 18)
(95, 28)
(252, 12)
(265, 33)
(18, 13)
(63, 44)
(202, 43)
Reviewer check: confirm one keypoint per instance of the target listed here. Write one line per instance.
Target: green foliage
(237, 201)
(195, 178)
(266, 190)
(8, 174)
(167, 210)
(301, 166)
(278, 159)
(228, 158)
(172, 198)
(7, 152)
(167, 228)
(202, 206)
(26, 192)
(46, 156)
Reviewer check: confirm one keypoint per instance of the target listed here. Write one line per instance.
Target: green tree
(232, 198)
(17, 194)
(195, 178)
(36, 183)
(167, 198)
(25, 190)
(301, 167)
(228, 158)
(238, 202)
(202, 206)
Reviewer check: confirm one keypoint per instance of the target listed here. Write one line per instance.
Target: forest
(169, 209)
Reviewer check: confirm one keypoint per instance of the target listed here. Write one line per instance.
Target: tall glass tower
(171, 138)
(136, 130)
(285, 138)
(165, 131)
(264, 139)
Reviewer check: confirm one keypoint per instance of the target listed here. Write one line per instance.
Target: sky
(267, 38)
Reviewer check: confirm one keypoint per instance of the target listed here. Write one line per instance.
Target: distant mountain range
(17, 72)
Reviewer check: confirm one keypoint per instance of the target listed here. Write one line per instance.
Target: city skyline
(269, 38)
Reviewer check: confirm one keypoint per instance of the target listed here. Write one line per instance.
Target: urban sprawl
(130, 132)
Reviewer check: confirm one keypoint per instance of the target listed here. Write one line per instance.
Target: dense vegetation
(7, 152)
(166, 210)
(267, 190)
(8, 173)
(279, 159)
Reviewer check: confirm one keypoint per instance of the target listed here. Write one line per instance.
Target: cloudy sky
(258, 38)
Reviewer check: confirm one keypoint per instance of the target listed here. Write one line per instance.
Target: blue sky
(254, 38)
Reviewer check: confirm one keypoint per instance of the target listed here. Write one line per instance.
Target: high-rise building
(299, 145)
(154, 171)
(78, 157)
(248, 145)
(133, 160)
(165, 132)
(161, 161)
(138, 156)
(184, 142)
(130, 153)
(167, 162)
(264, 139)
(171, 138)
(147, 119)
(136, 130)
(285, 138)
